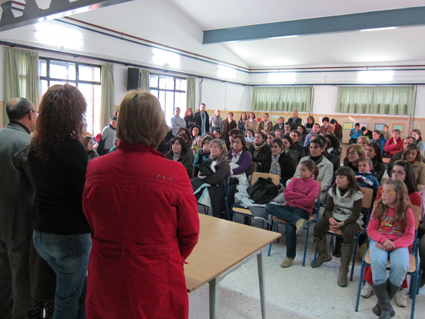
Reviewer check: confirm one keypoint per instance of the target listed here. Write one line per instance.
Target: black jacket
(287, 167)
(295, 124)
(264, 153)
(198, 121)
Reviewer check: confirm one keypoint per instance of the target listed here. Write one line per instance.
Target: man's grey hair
(18, 108)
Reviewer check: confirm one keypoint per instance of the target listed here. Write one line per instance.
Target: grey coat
(16, 192)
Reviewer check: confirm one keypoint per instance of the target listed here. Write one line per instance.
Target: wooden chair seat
(339, 232)
(241, 210)
(412, 262)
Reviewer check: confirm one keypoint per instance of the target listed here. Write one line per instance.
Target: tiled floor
(295, 292)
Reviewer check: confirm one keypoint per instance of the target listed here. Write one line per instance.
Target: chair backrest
(367, 197)
(256, 175)
(320, 188)
(384, 180)
(417, 212)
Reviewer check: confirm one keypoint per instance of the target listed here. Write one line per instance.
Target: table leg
(260, 259)
(213, 290)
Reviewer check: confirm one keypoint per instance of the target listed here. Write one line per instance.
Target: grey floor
(294, 292)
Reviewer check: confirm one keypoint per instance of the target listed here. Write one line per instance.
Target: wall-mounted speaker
(133, 79)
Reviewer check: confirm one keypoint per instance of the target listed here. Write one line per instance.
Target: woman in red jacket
(394, 144)
(146, 228)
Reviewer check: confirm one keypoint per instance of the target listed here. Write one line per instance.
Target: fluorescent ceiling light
(378, 29)
(226, 72)
(375, 76)
(166, 58)
(285, 37)
(282, 77)
(58, 36)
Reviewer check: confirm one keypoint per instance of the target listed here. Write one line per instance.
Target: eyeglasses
(352, 153)
(33, 111)
(398, 172)
(387, 192)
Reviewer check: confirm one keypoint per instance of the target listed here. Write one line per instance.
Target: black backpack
(263, 191)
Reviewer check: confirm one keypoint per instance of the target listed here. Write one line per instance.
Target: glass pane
(92, 95)
(166, 82)
(180, 100)
(43, 87)
(161, 99)
(62, 70)
(43, 68)
(169, 106)
(62, 82)
(154, 92)
(153, 81)
(89, 73)
(181, 84)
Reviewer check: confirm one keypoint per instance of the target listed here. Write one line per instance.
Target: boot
(322, 249)
(384, 301)
(392, 291)
(346, 252)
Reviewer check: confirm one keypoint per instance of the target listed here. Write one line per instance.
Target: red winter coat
(145, 223)
(391, 149)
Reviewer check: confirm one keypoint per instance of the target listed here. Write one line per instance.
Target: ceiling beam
(58, 8)
(343, 23)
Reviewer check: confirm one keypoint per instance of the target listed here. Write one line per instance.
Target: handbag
(263, 191)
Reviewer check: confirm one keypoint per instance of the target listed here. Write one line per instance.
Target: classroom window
(86, 77)
(171, 93)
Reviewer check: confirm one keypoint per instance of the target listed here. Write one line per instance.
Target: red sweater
(392, 148)
(301, 193)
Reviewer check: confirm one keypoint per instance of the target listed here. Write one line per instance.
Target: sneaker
(287, 262)
(367, 290)
(299, 225)
(401, 298)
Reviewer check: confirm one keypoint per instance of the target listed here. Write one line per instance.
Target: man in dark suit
(294, 121)
(228, 125)
(202, 119)
(16, 201)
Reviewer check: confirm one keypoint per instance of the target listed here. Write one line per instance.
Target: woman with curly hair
(189, 118)
(58, 162)
(181, 153)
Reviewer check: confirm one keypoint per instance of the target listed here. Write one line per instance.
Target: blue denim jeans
(399, 263)
(68, 255)
(291, 215)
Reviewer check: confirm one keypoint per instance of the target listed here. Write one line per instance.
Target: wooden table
(222, 245)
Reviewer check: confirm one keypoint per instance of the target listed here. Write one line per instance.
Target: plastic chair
(313, 219)
(414, 268)
(366, 203)
(245, 212)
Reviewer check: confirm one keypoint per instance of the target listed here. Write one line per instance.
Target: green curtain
(144, 81)
(282, 98)
(394, 100)
(191, 92)
(20, 77)
(107, 99)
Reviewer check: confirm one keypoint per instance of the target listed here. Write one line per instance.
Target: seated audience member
(303, 133)
(280, 124)
(326, 127)
(241, 123)
(265, 124)
(88, 144)
(402, 171)
(408, 140)
(197, 144)
(249, 136)
(377, 137)
(363, 141)
(228, 125)
(186, 131)
(342, 212)
(294, 121)
(240, 160)
(214, 172)
(279, 162)
(298, 145)
(177, 121)
(335, 160)
(210, 134)
(260, 150)
(373, 151)
(278, 133)
(334, 146)
(315, 130)
(354, 153)
(364, 176)
(287, 128)
(217, 134)
(202, 154)
(270, 137)
(232, 134)
(309, 125)
(355, 134)
(288, 147)
(337, 130)
(394, 144)
(180, 153)
(366, 132)
(187, 139)
(251, 123)
(416, 133)
(412, 155)
(300, 195)
(196, 131)
(385, 132)
(317, 150)
(189, 118)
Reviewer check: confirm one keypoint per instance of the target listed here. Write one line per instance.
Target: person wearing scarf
(260, 150)
(412, 155)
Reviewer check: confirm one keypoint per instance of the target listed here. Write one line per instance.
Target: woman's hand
(332, 221)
